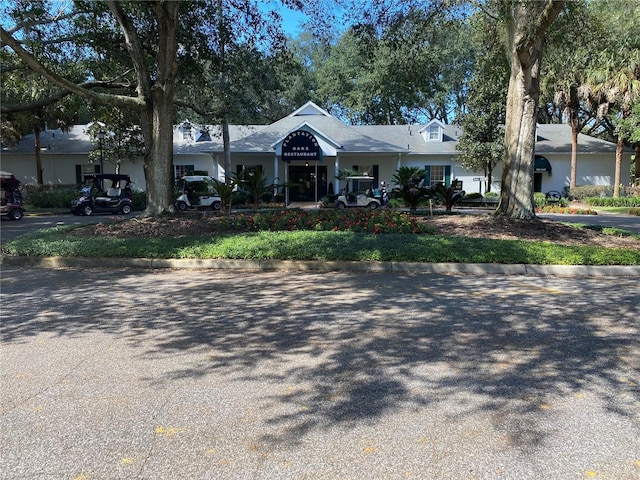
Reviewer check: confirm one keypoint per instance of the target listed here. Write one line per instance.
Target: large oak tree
(134, 54)
(526, 24)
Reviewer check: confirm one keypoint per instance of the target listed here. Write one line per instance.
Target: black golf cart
(104, 193)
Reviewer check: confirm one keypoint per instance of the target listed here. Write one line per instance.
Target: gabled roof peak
(309, 108)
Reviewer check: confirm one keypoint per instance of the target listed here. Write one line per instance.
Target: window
(187, 132)
(433, 133)
(437, 174)
(182, 170)
(86, 169)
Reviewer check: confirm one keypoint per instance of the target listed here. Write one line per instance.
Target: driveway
(31, 222)
(116, 373)
(603, 219)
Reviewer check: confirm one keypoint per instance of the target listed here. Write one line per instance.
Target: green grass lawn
(321, 245)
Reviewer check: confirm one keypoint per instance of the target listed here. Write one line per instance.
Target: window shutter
(447, 175)
(427, 175)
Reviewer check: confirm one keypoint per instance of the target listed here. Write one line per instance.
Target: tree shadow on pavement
(348, 348)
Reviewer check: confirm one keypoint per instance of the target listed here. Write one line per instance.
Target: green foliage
(586, 191)
(355, 220)
(320, 245)
(447, 195)
(409, 186)
(225, 191)
(257, 186)
(613, 202)
(139, 201)
(481, 144)
(36, 198)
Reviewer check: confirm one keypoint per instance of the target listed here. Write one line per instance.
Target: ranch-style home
(309, 147)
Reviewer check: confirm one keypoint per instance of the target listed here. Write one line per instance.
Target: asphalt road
(630, 223)
(117, 373)
(31, 222)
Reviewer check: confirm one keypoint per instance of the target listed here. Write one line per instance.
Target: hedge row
(613, 202)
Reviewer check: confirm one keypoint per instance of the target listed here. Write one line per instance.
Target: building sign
(301, 145)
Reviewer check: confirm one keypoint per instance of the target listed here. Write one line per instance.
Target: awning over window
(542, 164)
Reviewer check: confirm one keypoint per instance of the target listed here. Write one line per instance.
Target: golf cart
(363, 197)
(10, 197)
(104, 193)
(197, 191)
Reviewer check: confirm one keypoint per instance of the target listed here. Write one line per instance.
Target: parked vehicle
(364, 197)
(104, 193)
(197, 191)
(10, 196)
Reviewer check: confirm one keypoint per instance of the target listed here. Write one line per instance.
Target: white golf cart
(197, 191)
(363, 197)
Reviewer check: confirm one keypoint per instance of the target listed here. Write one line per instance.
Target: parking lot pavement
(117, 373)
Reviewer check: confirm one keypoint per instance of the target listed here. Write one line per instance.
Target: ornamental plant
(356, 220)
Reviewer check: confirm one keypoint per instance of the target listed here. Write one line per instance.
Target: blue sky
(291, 21)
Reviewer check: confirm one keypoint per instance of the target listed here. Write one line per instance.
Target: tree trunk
(637, 163)
(158, 115)
(516, 199)
(575, 129)
(227, 150)
(38, 148)
(527, 22)
(617, 176)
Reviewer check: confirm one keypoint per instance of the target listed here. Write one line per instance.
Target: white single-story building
(310, 146)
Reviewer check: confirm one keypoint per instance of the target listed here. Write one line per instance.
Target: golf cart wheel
(216, 206)
(126, 209)
(341, 205)
(15, 214)
(181, 206)
(87, 210)
(372, 205)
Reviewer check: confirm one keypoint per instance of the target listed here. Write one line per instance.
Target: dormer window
(433, 131)
(187, 131)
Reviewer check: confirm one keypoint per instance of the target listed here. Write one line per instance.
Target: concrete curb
(322, 266)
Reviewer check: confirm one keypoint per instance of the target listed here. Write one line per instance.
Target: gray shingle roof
(552, 139)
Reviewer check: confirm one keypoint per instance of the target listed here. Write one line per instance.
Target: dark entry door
(537, 182)
(303, 182)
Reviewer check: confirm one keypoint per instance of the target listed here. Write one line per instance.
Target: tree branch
(56, 97)
(109, 99)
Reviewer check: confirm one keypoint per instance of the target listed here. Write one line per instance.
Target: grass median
(320, 245)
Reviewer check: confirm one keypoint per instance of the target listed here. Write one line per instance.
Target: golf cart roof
(359, 177)
(107, 176)
(196, 178)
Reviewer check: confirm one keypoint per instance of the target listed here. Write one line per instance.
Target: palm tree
(618, 85)
(409, 187)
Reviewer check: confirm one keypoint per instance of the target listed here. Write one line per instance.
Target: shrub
(49, 197)
(539, 200)
(613, 202)
(635, 211)
(354, 220)
(586, 191)
(139, 200)
(491, 195)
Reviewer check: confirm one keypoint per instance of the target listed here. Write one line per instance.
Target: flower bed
(567, 210)
(356, 220)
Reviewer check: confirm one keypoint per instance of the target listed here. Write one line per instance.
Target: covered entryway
(308, 182)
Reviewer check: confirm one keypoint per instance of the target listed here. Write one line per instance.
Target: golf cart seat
(114, 192)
